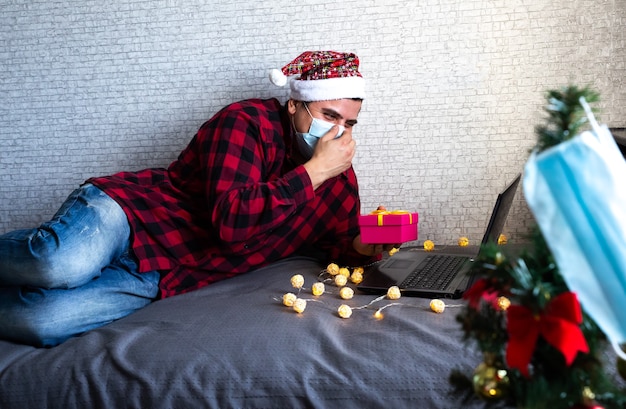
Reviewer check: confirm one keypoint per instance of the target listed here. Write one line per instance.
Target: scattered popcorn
(357, 270)
(393, 251)
(502, 239)
(318, 289)
(356, 277)
(437, 306)
(299, 305)
(344, 311)
(289, 299)
(297, 281)
(344, 272)
(333, 269)
(341, 280)
(429, 245)
(463, 241)
(346, 293)
(393, 293)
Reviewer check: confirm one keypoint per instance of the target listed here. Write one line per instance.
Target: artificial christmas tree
(541, 349)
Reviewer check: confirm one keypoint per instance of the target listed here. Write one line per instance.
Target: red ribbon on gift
(558, 324)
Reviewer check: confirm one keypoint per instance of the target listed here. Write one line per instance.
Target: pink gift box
(390, 227)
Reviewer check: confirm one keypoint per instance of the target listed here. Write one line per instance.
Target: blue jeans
(72, 274)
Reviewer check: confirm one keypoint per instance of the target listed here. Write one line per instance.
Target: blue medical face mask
(318, 128)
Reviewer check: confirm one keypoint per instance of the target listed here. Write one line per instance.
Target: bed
(235, 345)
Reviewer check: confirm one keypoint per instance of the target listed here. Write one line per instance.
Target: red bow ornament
(558, 324)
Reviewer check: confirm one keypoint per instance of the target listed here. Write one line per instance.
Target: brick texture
(455, 89)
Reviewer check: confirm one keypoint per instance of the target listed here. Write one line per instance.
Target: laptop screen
(500, 211)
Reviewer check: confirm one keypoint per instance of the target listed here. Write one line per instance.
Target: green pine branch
(566, 116)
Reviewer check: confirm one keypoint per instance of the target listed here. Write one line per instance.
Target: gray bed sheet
(234, 345)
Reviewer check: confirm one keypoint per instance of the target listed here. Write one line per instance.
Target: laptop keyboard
(434, 273)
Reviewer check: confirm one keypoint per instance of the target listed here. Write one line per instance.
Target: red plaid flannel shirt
(234, 201)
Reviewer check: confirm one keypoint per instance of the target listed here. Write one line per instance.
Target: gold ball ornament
(299, 305)
(346, 293)
(588, 400)
(502, 239)
(463, 241)
(333, 269)
(490, 382)
(289, 299)
(503, 303)
(429, 245)
(437, 306)
(297, 281)
(341, 280)
(318, 289)
(344, 311)
(393, 293)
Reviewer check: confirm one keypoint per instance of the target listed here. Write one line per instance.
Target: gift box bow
(382, 213)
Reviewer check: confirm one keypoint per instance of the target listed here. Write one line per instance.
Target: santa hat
(323, 75)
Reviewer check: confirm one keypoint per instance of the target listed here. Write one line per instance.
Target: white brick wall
(455, 90)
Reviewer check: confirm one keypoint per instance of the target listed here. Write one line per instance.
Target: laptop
(437, 274)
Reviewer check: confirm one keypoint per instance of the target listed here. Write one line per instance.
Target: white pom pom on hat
(323, 75)
(278, 78)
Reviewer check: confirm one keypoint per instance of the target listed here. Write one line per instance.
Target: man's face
(339, 112)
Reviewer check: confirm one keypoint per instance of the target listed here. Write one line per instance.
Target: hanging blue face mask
(318, 128)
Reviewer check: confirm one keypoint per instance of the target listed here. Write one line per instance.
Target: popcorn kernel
(344, 311)
(289, 299)
(346, 293)
(318, 288)
(437, 306)
(333, 269)
(429, 245)
(393, 293)
(297, 281)
(299, 305)
(341, 280)
(356, 277)
(344, 272)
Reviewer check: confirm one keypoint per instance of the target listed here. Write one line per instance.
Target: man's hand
(372, 249)
(331, 156)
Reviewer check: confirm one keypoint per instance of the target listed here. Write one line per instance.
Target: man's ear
(292, 105)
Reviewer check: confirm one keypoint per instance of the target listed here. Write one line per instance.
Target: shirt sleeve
(338, 246)
(239, 153)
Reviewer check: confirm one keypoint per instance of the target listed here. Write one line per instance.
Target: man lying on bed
(259, 181)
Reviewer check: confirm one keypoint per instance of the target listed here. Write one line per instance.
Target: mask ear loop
(618, 350)
(590, 116)
(306, 106)
(598, 133)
